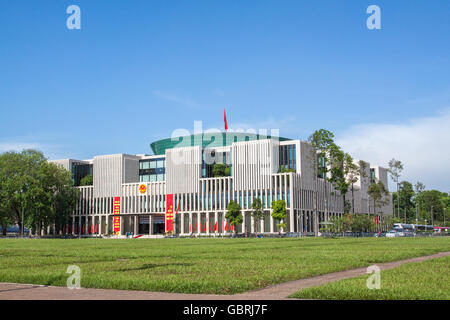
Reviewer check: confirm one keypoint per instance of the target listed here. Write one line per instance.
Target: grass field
(412, 281)
(222, 266)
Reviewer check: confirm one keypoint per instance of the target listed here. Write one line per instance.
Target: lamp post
(22, 231)
(432, 215)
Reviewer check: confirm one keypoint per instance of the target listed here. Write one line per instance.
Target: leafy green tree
(395, 170)
(18, 176)
(257, 213)
(362, 223)
(431, 205)
(419, 188)
(405, 198)
(234, 214)
(378, 193)
(320, 141)
(342, 173)
(87, 180)
(220, 170)
(279, 213)
(284, 169)
(42, 191)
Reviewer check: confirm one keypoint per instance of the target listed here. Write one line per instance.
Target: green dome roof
(206, 140)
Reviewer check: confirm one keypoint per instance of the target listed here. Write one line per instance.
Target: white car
(391, 234)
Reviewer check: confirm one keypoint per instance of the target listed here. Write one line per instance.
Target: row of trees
(414, 203)
(357, 223)
(337, 167)
(33, 192)
(234, 213)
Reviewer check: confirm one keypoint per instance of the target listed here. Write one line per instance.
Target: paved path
(14, 291)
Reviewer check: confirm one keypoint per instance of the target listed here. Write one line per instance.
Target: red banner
(169, 212)
(117, 212)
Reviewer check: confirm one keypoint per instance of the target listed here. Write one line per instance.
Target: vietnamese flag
(225, 120)
(63, 229)
(210, 227)
(190, 227)
(204, 228)
(215, 227)
(83, 229)
(92, 228)
(95, 228)
(195, 227)
(226, 226)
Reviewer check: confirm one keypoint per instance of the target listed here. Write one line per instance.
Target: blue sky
(137, 70)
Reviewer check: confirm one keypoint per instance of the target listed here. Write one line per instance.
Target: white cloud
(17, 146)
(422, 144)
(186, 101)
(51, 152)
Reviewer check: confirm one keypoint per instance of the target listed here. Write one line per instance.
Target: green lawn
(412, 281)
(222, 266)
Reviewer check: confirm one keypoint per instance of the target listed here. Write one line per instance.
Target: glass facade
(79, 171)
(372, 176)
(213, 158)
(322, 166)
(287, 157)
(206, 140)
(151, 170)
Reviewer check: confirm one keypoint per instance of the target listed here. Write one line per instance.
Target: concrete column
(122, 221)
(182, 223)
(136, 225)
(252, 222)
(150, 226)
(243, 221)
(100, 224)
(207, 223)
(271, 222)
(291, 219)
(216, 220)
(190, 223)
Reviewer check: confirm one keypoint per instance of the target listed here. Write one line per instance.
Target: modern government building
(175, 189)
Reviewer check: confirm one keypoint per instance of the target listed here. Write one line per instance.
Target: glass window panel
(153, 164)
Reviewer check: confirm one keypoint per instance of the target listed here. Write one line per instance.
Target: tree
(18, 176)
(431, 205)
(320, 141)
(257, 212)
(87, 180)
(362, 223)
(284, 169)
(405, 198)
(395, 170)
(343, 173)
(234, 214)
(279, 213)
(220, 170)
(419, 188)
(30, 186)
(378, 193)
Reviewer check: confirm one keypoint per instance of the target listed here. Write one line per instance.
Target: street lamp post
(22, 231)
(432, 222)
